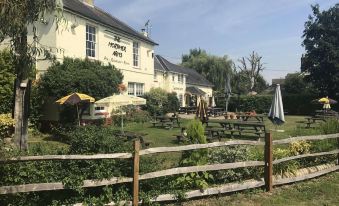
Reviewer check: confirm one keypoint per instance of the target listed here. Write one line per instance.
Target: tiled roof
(195, 91)
(97, 14)
(192, 76)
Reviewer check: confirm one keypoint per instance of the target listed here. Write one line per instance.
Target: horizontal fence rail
(60, 186)
(201, 168)
(315, 137)
(305, 155)
(68, 157)
(198, 146)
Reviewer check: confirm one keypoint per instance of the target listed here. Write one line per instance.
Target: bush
(172, 104)
(6, 125)
(229, 155)
(160, 102)
(7, 76)
(293, 104)
(75, 75)
(94, 139)
(331, 126)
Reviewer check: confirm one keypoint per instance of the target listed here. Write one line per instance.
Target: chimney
(144, 32)
(88, 2)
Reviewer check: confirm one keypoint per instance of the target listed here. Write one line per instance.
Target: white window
(155, 76)
(136, 54)
(135, 89)
(139, 89)
(180, 78)
(90, 41)
(180, 99)
(130, 89)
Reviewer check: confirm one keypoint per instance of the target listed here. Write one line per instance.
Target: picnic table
(258, 117)
(187, 110)
(215, 111)
(166, 121)
(236, 126)
(132, 136)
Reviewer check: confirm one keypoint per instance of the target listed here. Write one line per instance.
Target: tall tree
(15, 16)
(214, 68)
(251, 67)
(321, 42)
(295, 83)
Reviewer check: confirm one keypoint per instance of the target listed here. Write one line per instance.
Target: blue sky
(235, 28)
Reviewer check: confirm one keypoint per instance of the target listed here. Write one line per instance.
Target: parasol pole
(78, 114)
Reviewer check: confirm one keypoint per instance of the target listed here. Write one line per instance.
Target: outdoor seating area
(218, 128)
(319, 117)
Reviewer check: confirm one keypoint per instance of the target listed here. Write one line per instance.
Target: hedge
(293, 104)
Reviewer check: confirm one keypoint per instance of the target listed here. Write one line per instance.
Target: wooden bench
(213, 132)
(246, 131)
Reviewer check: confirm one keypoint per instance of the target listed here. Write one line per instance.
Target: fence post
(136, 173)
(268, 162)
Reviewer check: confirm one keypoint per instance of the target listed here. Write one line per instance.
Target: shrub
(94, 139)
(331, 126)
(7, 76)
(299, 147)
(229, 155)
(293, 104)
(6, 125)
(160, 102)
(172, 104)
(284, 167)
(195, 132)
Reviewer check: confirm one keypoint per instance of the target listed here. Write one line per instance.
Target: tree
(15, 16)
(80, 75)
(251, 67)
(7, 76)
(321, 43)
(242, 83)
(77, 75)
(295, 83)
(214, 68)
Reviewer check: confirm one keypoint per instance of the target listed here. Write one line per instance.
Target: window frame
(136, 54)
(91, 43)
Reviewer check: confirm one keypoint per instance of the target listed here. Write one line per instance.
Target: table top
(236, 122)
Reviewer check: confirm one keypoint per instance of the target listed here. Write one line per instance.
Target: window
(130, 89)
(180, 99)
(99, 108)
(173, 77)
(180, 78)
(90, 41)
(136, 54)
(155, 76)
(139, 89)
(135, 89)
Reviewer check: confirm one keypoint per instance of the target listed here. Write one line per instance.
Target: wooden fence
(266, 181)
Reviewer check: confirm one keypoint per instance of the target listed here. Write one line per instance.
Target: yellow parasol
(75, 99)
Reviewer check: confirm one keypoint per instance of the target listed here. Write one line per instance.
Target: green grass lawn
(315, 192)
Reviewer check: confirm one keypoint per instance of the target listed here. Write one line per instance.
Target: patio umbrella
(276, 114)
(75, 99)
(213, 102)
(228, 91)
(202, 111)
(118, 101)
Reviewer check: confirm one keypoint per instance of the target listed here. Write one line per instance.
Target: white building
(186, 82)
(87, 31)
